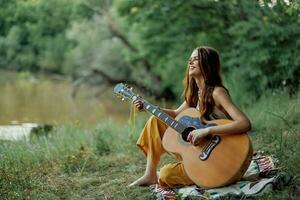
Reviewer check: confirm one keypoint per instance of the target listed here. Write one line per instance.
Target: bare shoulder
(220, 93)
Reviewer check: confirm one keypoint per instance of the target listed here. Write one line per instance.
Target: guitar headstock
(122, 90)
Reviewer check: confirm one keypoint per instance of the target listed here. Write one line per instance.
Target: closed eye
(194, 59)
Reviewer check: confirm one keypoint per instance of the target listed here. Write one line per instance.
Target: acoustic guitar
(217, 161)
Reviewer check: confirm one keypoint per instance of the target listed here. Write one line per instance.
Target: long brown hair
(209, 64)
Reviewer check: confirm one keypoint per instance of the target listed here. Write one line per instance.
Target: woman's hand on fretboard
(139, 104)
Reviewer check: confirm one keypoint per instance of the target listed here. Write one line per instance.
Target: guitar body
(218, 160)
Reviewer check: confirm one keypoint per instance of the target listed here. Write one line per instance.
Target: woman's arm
(174, 113)
(240, 124)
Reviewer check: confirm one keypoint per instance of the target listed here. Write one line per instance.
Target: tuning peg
(131, 88)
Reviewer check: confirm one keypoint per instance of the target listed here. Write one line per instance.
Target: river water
(28, 99)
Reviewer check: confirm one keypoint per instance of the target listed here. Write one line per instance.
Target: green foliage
(258, 40)
(77, 162)
(276, 127)
(165, 33)
(14, 182)
(42, 130)
(33, 32)
(95, 49)
(264, 47)
(103, 145)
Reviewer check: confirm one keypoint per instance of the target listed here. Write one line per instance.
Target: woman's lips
(192, 67)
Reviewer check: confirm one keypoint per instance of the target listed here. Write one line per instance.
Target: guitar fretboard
(165, 118)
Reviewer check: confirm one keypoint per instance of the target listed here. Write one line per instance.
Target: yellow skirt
(150, 142)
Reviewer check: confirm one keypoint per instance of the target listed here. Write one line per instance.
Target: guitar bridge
(214, 141)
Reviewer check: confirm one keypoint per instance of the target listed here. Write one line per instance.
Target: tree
(33, 34)
(249, 35)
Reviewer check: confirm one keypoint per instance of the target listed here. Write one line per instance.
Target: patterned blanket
(261, 176)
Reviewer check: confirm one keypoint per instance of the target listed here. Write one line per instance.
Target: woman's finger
(138, 104)
(193, 138)
(189, 137)
(196, 142)
(136, 101)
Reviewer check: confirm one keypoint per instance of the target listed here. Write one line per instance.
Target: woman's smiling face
(193, 64)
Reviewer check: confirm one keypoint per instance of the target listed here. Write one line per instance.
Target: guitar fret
(163, 117)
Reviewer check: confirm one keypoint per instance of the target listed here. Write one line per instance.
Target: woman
(204, 90)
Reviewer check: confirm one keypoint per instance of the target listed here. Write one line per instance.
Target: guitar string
(132, 120)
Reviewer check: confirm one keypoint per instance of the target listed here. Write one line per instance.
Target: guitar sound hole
(186, 132)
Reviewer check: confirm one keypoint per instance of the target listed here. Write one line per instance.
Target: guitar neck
(162, 116)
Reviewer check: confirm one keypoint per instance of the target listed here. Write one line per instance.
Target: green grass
(77, 163)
